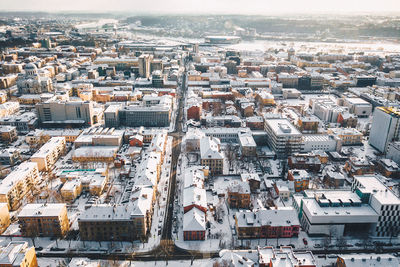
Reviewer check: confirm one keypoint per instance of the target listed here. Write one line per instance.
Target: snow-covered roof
(209, 148)
(42, 210)
(194, 220)
(194, 196)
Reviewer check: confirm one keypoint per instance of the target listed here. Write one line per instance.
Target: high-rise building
(385, 128)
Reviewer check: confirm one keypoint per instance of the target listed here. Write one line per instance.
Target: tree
(341, 243)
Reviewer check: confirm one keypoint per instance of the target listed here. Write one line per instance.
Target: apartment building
(4, 217)
(49, 153)
(49, 219)
(275, 223)
(18, 253)
(119, 222)
(300, 178)
(18, 183)
(239, 194)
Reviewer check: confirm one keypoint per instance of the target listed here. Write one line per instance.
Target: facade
(358, 106)
(247, 145)
(211, 155)
(307, 161)
(301, 179)
(385, 203)
(276, 223)
(128, 222)
(385, 128)
(49, 153)
(285, 256)
(393, 152)
(32, 83)
(347, 136)
(194, 225)
(8, 134)
(18, 183)
(66, 113)
(320, 142)
(4, 217)
(283, 137)
(9, 156)
(18, 254)
(49, 219)
(239, 195)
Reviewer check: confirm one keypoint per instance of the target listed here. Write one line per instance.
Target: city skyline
(253, 7)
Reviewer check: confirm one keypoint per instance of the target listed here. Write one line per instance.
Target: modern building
(283, 137)
(67, 113)
(49, 219)
(385, 128)
(386, 204)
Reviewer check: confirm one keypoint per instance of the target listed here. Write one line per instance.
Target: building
(8, 134)
(308, 124)
(4, 217)
(385, 128)
(24, 122)
(99, 136)
(9, 156)
(307, 161)
(18, 253)
(247, 144)
(355, 260)
(49, 219)
(33, 83)
(283, 137)
(347, 136)
(211, 155)
(67, 113)
(285, 256)
(393, 152)
(156, 113)
(18, 183)
(126, 222)
(358, 166)
(253, 179)
(385, 203)
(335, 179)
(301, 179)
(322, 142)
(274, 223)
(194, 225)
(334, 213)
(239, 194)
(194, 197)
(358, 106)
(111, 116)
(49, 153)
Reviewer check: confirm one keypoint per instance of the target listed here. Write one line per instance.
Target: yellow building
(14, 187)
(4, 217)
(71, 190)
(18, 254)
(49, 153)
(49, 219)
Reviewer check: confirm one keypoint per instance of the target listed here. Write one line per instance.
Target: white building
(385, 128)
(319, 142)
(387, 205)
(283, 137)
(334, 212)
(358, 106)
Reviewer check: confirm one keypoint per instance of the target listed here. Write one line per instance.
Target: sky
(261, 7)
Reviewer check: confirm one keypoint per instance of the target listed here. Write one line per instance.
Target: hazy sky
(207, 6)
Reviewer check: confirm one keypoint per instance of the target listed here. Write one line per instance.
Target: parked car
(305, 241)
